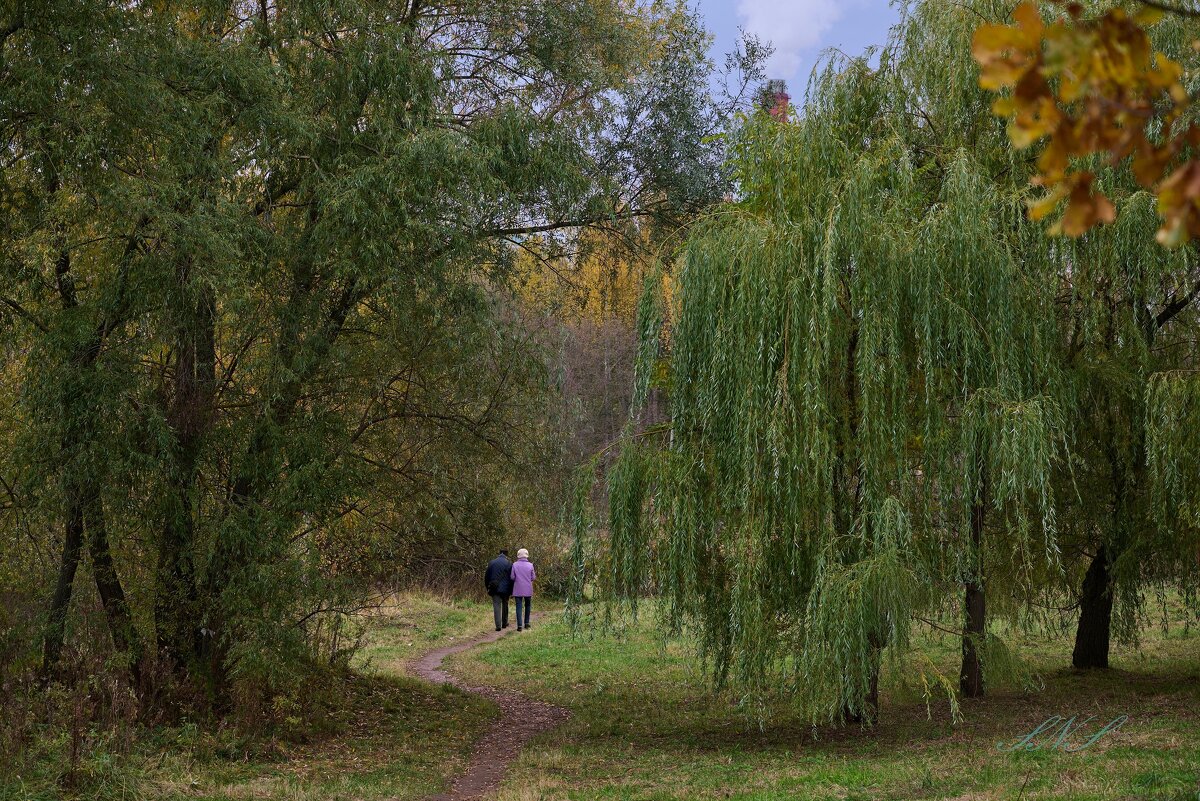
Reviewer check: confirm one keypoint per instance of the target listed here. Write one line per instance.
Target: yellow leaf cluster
(1087, 86)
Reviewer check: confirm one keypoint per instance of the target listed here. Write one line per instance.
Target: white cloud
(792, 26)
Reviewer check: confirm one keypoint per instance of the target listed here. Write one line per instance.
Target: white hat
(523, 553)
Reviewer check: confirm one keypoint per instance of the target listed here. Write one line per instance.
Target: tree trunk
(848, 501)
(78, 489)
(61, 600)
(177, 617)
(1095, 616)
(873, 696)
(869, 714)
(174, 590)
(970, 679)
(72, 496)
(108, 584)
(301, 359)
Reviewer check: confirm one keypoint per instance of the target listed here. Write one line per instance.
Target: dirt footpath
(521, 719)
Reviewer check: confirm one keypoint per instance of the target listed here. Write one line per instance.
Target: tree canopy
(884, 383)
(260, 344)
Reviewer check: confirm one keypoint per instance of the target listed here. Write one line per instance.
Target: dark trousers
(528, 605)
(500, 610)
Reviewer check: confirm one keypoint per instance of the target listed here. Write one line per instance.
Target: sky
(799, 29)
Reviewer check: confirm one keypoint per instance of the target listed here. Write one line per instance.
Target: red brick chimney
(774, 99)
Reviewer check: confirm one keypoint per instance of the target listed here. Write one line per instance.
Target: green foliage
(886, 382)
(260, 346)
(340, 735)
(1173, 425)
(650, 316)
(874, 385)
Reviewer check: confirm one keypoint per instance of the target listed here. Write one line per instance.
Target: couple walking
(503, 579)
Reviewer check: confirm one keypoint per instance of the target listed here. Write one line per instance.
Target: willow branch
(1171, 8)
(1175, 306)
(26, 314)
(939, 628)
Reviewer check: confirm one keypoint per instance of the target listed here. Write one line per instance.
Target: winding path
(521, 719)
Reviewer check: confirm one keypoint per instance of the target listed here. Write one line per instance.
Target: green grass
(416, 623)
(390, 737)
(645, 727)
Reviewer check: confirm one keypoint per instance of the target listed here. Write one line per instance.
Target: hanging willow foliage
(1128, 372)
(893, 396)
(1173, 434)
(860, 358)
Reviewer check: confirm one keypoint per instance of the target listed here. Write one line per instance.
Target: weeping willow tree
(865, 394)
(1144, 305)
(1173, 460)
(1127, 317)
(1124, 341)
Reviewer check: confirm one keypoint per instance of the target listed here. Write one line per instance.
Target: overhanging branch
(1175, 306)
(25, 314)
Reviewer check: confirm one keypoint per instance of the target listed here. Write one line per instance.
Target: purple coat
(522, 575)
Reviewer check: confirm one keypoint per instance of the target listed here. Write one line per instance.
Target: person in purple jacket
(523, 575)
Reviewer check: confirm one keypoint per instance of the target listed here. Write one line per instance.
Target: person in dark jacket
(498, 581)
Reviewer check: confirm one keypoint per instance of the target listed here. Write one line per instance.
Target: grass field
(644, 727)
(382, 736)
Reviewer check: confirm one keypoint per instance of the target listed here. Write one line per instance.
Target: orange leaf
(1041, 207)
(1000, 73)
(1053, 162)
(1029, 19)
(1172, 234)
(1148, 163)
(1086, 208)
(990, 41)
(1148, 16)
